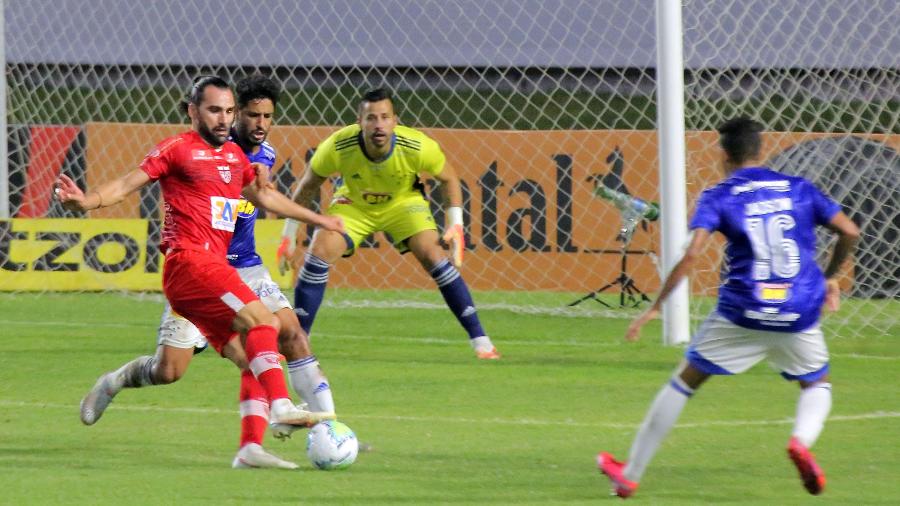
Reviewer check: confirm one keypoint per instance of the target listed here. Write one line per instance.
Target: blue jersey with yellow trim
(242, 249)
(773, 281)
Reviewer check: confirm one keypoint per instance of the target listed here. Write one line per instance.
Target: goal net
(536, 105)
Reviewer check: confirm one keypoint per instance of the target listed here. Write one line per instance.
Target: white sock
(813, 407)
(481, 343)
(310, 384)
(660, 418)
(134, 374)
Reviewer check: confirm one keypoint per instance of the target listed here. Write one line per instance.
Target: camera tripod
(630, 292)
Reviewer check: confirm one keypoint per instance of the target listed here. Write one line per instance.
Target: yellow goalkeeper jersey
(365, 181)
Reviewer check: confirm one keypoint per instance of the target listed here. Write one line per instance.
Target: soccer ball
(331, 445)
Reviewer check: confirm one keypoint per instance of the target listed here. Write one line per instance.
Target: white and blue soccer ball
(331, 445)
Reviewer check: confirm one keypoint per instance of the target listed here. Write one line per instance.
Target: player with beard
(379, 163)
(207, 183)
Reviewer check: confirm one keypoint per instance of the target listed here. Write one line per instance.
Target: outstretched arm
(679, 272)
(848, 235)
(454, 235)
(105, 195)
(271, 199)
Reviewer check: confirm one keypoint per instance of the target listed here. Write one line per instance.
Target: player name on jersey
(767, 207)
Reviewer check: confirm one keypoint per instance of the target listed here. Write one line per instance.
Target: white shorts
(178, 332)
(721, 347)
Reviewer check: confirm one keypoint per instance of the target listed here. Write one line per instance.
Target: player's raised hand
(832, 295)
(69, 194)
(455, 237)
(634, 330)
(284, 254)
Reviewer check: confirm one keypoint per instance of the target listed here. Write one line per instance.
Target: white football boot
(95, 402)
(283, 431)
(253, 456)
(284, 412)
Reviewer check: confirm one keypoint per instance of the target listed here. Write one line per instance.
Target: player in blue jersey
(769, 302)
(256, 100)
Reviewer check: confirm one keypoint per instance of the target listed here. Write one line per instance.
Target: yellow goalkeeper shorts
(403, 218)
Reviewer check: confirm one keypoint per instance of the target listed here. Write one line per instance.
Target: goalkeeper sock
(456, 295)
(254, 409)
(311, 384)
(310, 290)
(262, 352)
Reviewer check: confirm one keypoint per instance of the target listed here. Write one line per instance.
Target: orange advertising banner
(532, 220)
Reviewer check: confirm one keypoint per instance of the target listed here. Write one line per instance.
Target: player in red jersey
(202, 175)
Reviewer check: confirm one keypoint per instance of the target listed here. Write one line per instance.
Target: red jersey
(201, 186)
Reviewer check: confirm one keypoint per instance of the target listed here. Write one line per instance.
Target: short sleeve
(824, 208)
(706, 215)
(433, 158)
(159, 161)
(322, 160)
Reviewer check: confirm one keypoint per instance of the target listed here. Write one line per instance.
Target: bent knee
(168, 373)
(328, 245)
(293, 343)
(429, 258)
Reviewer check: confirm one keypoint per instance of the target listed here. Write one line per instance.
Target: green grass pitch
(446, 429)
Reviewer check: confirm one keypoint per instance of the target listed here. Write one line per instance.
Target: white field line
(875, 415)
(423, 339)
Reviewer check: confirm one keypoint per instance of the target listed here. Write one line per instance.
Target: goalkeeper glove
(286, 248)
(454, 235)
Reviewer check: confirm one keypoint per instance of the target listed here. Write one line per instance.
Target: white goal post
(536, 105)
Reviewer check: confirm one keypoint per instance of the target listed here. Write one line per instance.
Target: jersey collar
(362, 147)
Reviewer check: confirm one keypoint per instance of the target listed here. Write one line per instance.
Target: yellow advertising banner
(90, 254)
(532, 220)
(75, 254)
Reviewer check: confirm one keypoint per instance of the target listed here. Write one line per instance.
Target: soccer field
(445, 428)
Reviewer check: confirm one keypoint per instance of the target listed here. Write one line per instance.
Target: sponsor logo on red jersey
(202, 154)
(225, 173)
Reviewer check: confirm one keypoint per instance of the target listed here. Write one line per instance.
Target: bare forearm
(308, 189)
(683, 267)
(113, 192)
(452, 194)
(681, 270)
(274, 201)
(306, 194)
(842, 250)
(105, 195)
(848, 235)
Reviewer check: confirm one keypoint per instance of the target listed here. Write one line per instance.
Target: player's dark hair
(195, 94)
(376, 95)
(740, 139)
(256, 87)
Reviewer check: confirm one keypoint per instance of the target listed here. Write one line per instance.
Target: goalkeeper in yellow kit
(379, 163)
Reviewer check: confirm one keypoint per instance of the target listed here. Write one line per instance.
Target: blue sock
(457, 296)
(310, 290)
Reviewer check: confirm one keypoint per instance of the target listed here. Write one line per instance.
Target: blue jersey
(769, 219)
(242, 250)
